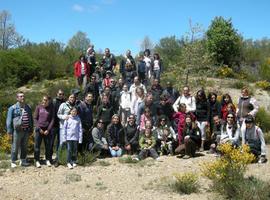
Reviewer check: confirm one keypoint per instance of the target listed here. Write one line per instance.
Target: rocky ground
(110, 179)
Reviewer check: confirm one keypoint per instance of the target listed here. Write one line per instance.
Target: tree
(223, 42)
(8, 35)
(169, 49)
(79, 41)
(146, 44)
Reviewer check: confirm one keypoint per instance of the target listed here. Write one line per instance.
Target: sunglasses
(229, 117)
(61, 94)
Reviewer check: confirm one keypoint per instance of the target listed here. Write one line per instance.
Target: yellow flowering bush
(265, 85)
(228, 170)
(5, 143)
(225, 72)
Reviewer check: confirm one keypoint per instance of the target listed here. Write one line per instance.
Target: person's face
(216, 120)
(125, 88)
(150, 98)
(45, 101)
(139, 92)
(72, 98)
(120, 81)
(93, 79)
(188, 120)
(112, 83)
(230, 119)
(100, 124)
(105, 99)
(213, 98)
(73, 112)
(107, 90)
(155, 82)
(162, 102)
(183, 108)
(131, 120)
(89, 98)
(226, 99)
(136, 80)
(107, 52)
(148, 124)
(186, 91)
(147, 132)
(82, 58)
(163, 122)
(60, 94)
(244, 93)
(20, 97)
(115, 120)
(147, 113)
(249, 125)
(128, 53)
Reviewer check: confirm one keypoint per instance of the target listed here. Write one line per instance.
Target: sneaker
(74, 165)
(136, 159)
(158, 159)
(13, 165)
(201, 149)
(186, 157)
(24, 163)
(69, 166)
(48, 163)
(262, 160)
(38, 165)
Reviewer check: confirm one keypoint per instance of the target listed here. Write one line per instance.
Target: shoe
(56, 164)
(262, 160)
(158, 159)
(13, 165)
(161, 154)
(201, 149)
(74, 165)
(48, 163)
(69, 166)
(186, 157)
(136, 159)
(38, 165)
(24, 163)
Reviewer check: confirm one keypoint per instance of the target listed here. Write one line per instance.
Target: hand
(10, 137)
(41, 131)
(46, 132)
(66, 117)
(105, 146)
(116, 148)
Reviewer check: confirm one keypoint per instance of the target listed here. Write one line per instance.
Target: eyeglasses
(230, 117)
(60, 94)
(101, 122)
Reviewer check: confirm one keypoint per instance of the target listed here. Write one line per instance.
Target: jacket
(73, 129)
(78, 67)
(115, 135)
(15, 111)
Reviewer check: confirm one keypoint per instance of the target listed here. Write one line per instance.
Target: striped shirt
(25, 120)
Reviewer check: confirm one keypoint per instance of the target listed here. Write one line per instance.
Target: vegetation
(263, 119)
(185, 183)
(227, 175)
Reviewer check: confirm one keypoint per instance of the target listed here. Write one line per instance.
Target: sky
(122, 24)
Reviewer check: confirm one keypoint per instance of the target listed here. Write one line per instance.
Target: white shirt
(156, 65)
(189, 101)
(125, 100)
(82, 68)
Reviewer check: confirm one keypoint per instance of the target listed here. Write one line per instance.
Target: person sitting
(192, 139)
(115, 137)
(216, 134)
(254, 138)
(131, 132)
(230, 131)
(147, 144)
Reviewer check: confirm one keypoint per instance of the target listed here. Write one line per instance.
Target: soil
(116, 181)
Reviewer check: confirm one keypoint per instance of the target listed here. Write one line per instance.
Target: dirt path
(115, 181)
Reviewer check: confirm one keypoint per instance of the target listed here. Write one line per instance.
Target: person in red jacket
(81, 71)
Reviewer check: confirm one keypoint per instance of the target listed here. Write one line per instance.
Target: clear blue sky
(122, 24)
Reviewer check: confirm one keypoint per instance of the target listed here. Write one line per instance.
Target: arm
(60, 113)
(255, 104)
(261, 137)
(9, 122)
(153, 142)
(80, 132)
(176, 103)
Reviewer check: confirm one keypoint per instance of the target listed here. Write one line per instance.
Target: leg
(24, 145)
(69, 152)
(75, 151)
(153, 153)
(113, 152)
(119, 152)
(38, 140)
(15, 145)
(47, 142)
(142, 154)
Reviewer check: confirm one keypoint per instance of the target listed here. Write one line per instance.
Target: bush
(87, 158)
(73, 178)
(238, 84)
(127, 159)
(263, 119)
(186, 183)
(225, 72)
(5, 143)
(227, 173)
(265, 85)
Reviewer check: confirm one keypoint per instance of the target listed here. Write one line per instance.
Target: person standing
(44, 119)
(108, 61)
(81, 71)
(187, 99)
(19, 125)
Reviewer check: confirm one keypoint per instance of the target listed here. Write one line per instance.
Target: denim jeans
(20, 141)
(55, 136)
(115, 153)
(156, 74)
(72, 147)
(144, 153)
(47, 141)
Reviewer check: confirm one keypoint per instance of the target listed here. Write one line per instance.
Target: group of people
(132, 114)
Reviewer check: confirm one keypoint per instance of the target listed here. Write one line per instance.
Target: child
(147, 145)
(107, 79)
(146, 116)
(166, 146)
(72, 135)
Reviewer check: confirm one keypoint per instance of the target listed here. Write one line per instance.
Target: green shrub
(238, 84)
(127, 159)
(63, 155)
(263, 119)
(267, 137)
(73, 178)
(185, 183)
(225, 72)
(104, 163)
(265, 85)
(4, 164)
(87, 158)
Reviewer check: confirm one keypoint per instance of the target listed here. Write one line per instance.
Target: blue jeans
(156, 74)
(47, 141)
(115, 153)
(20, 141)
(72, 148)
(55, 135)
